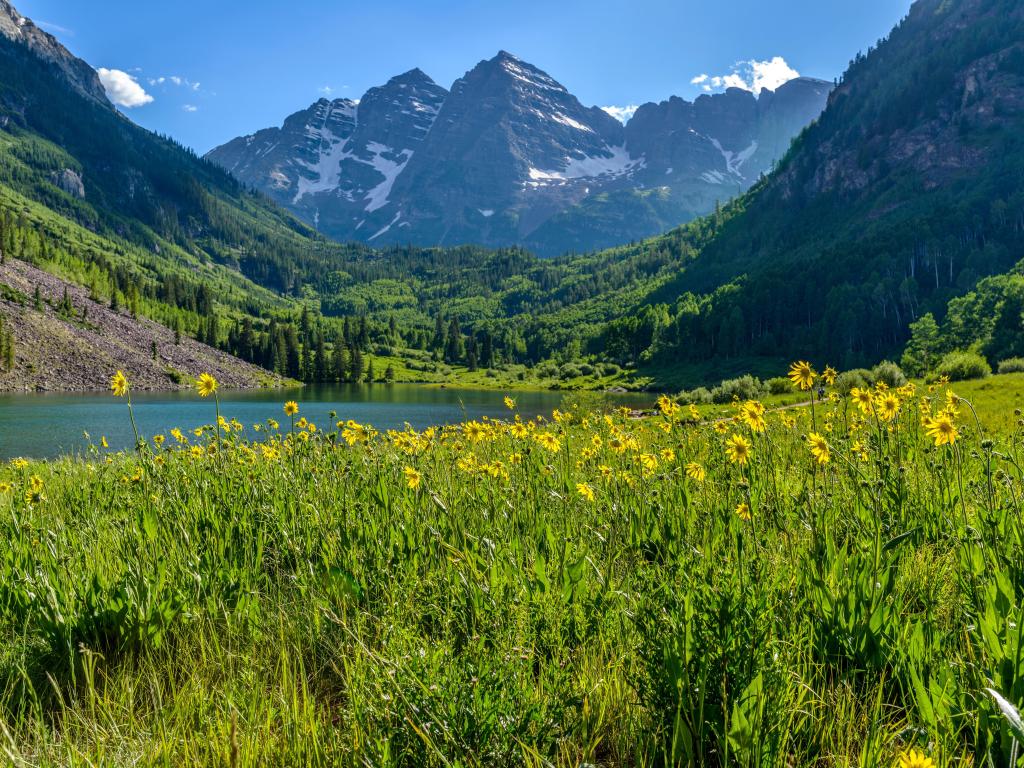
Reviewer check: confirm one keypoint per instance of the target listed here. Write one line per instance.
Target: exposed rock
(82, 77)
(76, 353)
(70, 181)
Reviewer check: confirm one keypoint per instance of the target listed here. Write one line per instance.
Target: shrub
(889, 373)
(569, 371)
(1011, 365)
(547, 370)
(698, 396)
(745, 388)
(780, 385)
(610, 369)
(586, 369)
(961, 365)
(858, 377)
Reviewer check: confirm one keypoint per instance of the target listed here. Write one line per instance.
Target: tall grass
(560, 592)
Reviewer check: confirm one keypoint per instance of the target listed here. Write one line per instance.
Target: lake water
(47, 425)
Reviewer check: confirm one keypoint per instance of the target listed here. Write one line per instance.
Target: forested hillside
(907, 192)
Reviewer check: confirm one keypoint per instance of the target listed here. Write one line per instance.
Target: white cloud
(622, 114)
(752, 75)
(326, 90)
(190, 108)
(123, 89)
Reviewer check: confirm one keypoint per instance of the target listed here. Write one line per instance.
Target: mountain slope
(65, 146)
(511, 157)
(907, 190)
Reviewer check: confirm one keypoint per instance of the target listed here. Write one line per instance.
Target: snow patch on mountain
(735, 160)
(385, 229)
(389, 169)
(617, 162)
(327, 169)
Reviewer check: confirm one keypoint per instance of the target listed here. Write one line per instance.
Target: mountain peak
(414, 76)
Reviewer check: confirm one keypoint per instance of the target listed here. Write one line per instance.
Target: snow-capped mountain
(509, 156)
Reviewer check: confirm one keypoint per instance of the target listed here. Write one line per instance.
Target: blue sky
(205, 72)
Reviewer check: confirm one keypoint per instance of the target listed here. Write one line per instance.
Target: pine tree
(355, 370)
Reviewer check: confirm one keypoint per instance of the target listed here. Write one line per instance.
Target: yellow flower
(888, 406)
(474, 431)
(119, 384)
(549, 441)
(721, 427)
(942, 429)
(649, 462)
(863, 398)
(518, 429)
(36, 484)
(951, 402)
(752, 413)
(802, 375)
(510, 403)
(206, 385)
(103, 442)
(19, 463)
(915, 759)
(198, 431)
(291, 408)
(695, 471)
(737, 448)
(829, 375)
(694, 413)
(158, 440)
(819, 448)
(668, 454)
(606, 471)
(743, 511)
(5, 487)
(585, 491)
(178, 436)
(668, 407)
(412, 478)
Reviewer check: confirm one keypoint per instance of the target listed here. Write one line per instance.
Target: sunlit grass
(826, 586)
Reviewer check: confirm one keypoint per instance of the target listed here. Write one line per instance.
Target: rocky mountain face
(511, 157)
(80, 75)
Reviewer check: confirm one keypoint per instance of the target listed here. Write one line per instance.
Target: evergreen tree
(455, 346)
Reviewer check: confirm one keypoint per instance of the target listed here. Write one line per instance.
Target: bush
(1011, 365)
(610, 369)
(586, 369)
(858, 377)
(698, 396)
(569, 371)
(780, 385)
(745, 388)
(961, 365)
(889, 373)
(547, 370)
